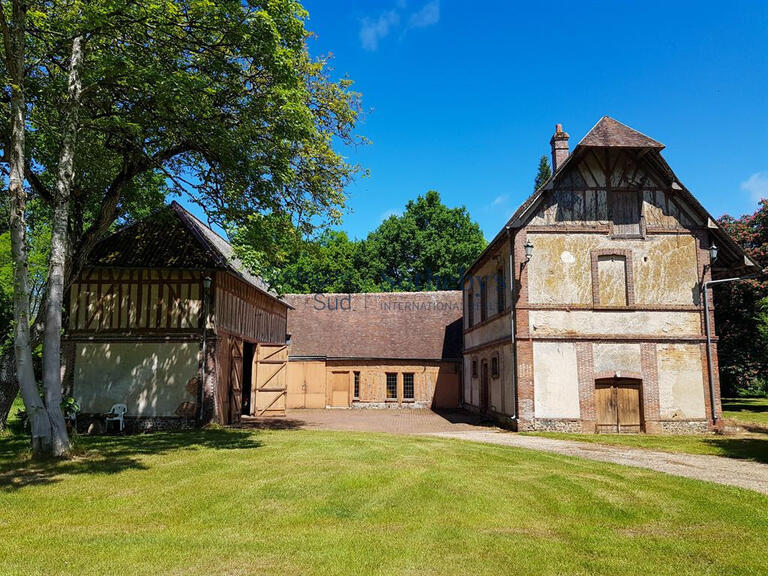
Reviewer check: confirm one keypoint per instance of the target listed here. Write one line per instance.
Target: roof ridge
(609, 132)
(192, 223)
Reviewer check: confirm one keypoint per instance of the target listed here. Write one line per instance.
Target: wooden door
(235, 380)
(339, 389)
(484, 387)
(619, 406)
(269, 380)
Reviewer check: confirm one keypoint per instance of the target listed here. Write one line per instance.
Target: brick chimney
(559, 145)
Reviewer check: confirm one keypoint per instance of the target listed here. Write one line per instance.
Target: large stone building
(400, 349)
(585, 311)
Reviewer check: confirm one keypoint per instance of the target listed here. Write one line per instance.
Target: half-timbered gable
(606, 330)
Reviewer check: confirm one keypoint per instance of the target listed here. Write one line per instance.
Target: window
(612, 283)
(625, 208)
(483, 298)
(470, 311)
(391, 386)
(357, 385)
(474, 368)
(500, 304)
(408, 386)
(495, 366)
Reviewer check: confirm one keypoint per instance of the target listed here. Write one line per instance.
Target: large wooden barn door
(269, 380)
(619, 406)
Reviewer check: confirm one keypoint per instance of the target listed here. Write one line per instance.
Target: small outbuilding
(400, 349)
(166, 320)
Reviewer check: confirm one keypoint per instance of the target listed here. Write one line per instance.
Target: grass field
(754, 410)
(753, 447)
(309, 502)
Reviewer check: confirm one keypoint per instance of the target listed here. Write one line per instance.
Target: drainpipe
(708, 331)
(513, 416)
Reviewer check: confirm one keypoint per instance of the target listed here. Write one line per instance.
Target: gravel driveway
(741, 473)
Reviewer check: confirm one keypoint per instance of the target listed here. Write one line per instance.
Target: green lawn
(309, 502)
(744, 447)
(750, 410)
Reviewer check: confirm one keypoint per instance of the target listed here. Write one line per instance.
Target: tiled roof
(612, 133)
(396, 325)
(172, 238)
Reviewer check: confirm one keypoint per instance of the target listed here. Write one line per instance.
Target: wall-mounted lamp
(713, 252)
(528, 251)
(207, 283)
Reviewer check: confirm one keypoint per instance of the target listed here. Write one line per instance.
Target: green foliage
(39, 239)
(741, 312)
(217, 101)
(428, 247)
(543, 174)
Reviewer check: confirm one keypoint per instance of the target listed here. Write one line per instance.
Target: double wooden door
(619, 405)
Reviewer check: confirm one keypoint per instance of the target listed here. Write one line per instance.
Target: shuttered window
(625, 206)
(500, 300)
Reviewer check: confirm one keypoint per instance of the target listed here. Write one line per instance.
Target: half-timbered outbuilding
(165, 319)
(585, 312)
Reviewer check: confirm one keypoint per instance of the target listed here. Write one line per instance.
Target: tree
(428, 247)
(545, 171)
(740, 312)
(217, 101)
(331, 263)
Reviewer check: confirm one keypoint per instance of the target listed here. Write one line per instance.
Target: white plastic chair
(116, 414)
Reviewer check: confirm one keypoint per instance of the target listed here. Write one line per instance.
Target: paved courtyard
(392, 421)
(475, 428)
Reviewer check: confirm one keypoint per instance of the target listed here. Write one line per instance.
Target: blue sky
(463, 98)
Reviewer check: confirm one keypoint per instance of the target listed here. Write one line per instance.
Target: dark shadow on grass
(743, 448)
(108, 455)
(271, 423)
(744, 406)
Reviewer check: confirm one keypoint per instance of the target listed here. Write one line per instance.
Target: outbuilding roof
(393, 325)
(172, 237)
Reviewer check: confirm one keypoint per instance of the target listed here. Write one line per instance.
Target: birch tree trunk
(13, 39)
(57, 267)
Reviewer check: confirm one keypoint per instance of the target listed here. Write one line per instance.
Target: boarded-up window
(625, 212)
(612, 280)
(408, 386)
(483, 298)
(391, 386)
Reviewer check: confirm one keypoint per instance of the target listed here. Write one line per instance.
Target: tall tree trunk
(57, 269)
(13, 37)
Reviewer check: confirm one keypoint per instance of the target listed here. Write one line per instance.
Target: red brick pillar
(586, 369)
(650, 368)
